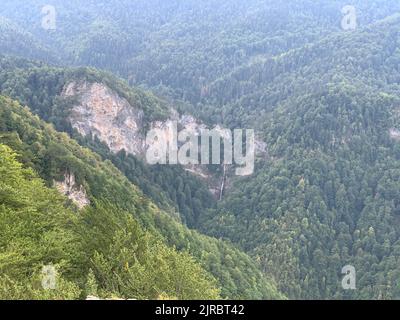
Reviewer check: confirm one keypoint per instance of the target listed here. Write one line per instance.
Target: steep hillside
(19, 42)
(366, 58)
(102, 250)
(323, 100)
(181, 47)
(103, 113)
(53, 155)
(327, 196)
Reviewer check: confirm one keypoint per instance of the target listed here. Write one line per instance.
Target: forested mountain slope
(184, 46)
(328, 196)
(113, 197)
(102, 251)
(324, 100)
(43, 89)
(17, 41)
(366, 58)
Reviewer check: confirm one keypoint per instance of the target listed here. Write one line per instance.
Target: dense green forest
(40, 86)
(114, 202)
(338, 205)
(102, 251)
(324, 100)
(180, 48)
(330, 187)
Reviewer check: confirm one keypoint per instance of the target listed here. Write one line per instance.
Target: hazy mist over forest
(200, 149)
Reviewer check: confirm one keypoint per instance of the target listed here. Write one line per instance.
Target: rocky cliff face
(394, 134)
(103, 113)
(68, 187)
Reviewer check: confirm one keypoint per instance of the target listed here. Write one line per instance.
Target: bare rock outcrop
(394, 134)
(77, 194)
(103, 113)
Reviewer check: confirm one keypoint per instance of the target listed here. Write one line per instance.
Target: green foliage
(170, 187)
(31, 290)
(91, 288)
(38, 230)
(131, 263)
(40, 87)
(327, 199)
(324, 100)
(14, 41)
(210, 53)
(123, 234)
(33, 233)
